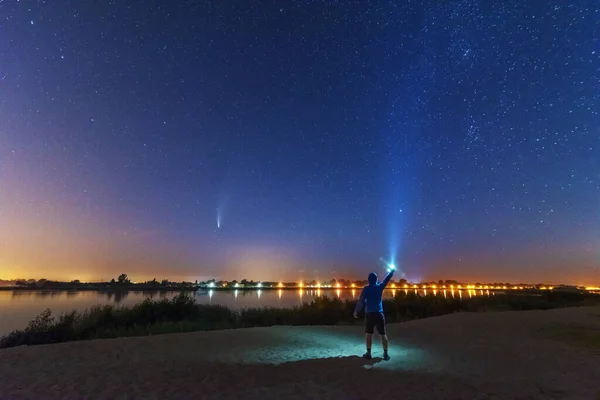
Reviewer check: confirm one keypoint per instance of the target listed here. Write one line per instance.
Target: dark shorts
(373, 320)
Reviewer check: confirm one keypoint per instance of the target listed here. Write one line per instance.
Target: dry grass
(580, 335)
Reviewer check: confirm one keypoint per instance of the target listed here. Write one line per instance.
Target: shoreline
(254, 289)
(179, 311)
(96, 289)
(531, 359)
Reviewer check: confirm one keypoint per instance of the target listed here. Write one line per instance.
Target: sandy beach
(508, 355)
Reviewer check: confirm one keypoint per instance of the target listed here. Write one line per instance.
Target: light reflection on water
(17, 308)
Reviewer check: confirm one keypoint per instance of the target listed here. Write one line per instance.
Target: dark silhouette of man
(374, 318)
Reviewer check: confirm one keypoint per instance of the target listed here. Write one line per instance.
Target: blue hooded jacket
(371, 295)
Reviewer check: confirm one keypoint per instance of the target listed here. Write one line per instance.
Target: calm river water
(17, 308)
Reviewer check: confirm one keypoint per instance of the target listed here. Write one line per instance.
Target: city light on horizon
(591, 283)
(300, 285)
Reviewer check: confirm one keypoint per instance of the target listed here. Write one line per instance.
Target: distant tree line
(124, 282)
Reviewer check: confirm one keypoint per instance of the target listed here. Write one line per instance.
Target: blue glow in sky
(458, 138)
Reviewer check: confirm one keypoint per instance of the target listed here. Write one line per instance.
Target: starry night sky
(300, 139)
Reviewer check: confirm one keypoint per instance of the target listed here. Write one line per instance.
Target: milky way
(459, 139)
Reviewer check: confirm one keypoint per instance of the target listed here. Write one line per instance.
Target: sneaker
(386, 357)
(367, 356)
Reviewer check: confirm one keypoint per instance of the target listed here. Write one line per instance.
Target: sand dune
(520, 355)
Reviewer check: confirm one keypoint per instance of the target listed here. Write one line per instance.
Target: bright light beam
(401, 158)
(390, 266)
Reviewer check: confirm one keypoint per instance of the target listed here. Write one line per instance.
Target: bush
(182, 314)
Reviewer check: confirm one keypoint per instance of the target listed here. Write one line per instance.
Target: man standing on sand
(374, 317)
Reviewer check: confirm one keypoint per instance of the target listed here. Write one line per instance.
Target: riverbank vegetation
(182, 314)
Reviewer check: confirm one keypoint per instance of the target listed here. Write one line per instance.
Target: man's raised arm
(387, 278)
